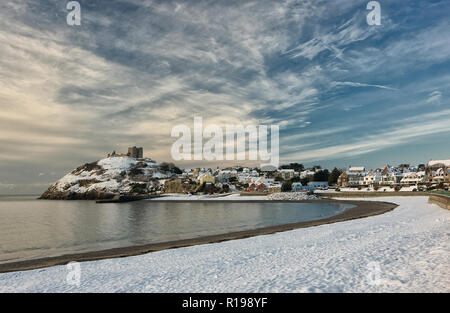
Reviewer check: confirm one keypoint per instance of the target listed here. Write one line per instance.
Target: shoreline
(361, 209)
(372, 194)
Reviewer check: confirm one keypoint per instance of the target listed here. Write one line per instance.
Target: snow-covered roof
(204, 174)
(435, 162)
(268, 168)
(357, 169)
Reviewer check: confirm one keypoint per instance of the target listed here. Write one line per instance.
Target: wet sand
(361, 209)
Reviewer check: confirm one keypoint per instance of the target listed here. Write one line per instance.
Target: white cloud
(434, 97)
(355, 84)
(403, 131)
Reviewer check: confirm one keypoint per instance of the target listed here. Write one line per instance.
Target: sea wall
(370, 194)
(441, 200)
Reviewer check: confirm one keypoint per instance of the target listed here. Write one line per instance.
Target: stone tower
(136, 152)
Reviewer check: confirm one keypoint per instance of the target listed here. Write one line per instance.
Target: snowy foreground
(407, 249)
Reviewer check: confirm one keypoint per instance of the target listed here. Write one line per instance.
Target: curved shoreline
(361, 209)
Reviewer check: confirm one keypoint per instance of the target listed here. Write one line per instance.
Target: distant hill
(108, 177)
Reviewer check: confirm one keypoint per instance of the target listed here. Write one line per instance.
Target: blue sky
(343, 92)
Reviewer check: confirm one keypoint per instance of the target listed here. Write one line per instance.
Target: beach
(409, 244)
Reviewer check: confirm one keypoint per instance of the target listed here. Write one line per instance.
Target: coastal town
(435, 174)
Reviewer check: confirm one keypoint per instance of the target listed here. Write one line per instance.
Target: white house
(413, 178)
(286, 174)
(372, 178)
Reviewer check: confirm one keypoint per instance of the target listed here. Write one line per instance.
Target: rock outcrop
(108, 177)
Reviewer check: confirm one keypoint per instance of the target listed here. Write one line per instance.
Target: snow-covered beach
(404, 250)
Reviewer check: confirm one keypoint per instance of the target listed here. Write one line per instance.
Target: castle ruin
(136, 152)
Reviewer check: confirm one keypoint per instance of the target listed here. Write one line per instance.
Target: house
(259, 185)
(342, 180)
(275, 188)
(206, 178)
(372, 178)
(307, 174)
(226, 175)
(286, 174)
(297, 187)
(390, 176)
(317, 184)
(438, 171)
(390, 179)
(441, 175)
(246, 178)
(356, 179)
(413, 178)
(439, 163)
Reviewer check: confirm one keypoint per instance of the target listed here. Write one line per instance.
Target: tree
(333, 178)
(165, 166)
(286, 187)
(202, 187)
(176, 170)
(295, 166)
(321, 175)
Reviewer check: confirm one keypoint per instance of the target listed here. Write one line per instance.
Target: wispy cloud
(435, 97)
(402, 132)
(355, 84)
(134, 69)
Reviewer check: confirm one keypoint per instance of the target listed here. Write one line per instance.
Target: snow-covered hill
(108, 177)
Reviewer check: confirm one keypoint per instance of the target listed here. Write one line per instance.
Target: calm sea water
(31, 228)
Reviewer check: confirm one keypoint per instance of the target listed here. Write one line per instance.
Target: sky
(343, 92)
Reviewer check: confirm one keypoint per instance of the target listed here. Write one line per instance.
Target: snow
(435, 162)
(381, 189)
(291, 196)
(106, 185)
(117, 164)
(112, 176)
(233, 197)
(410, 245)
(357, 169)
(158, 174)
